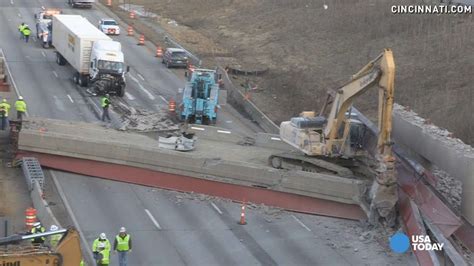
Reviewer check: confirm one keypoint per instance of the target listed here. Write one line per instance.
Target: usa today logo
(399, 243)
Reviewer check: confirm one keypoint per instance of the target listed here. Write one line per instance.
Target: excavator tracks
(293, 161)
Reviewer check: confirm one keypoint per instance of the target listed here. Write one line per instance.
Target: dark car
(175, 57)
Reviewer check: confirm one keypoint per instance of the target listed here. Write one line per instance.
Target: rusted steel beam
(176, 182)
(414, 226)
(432, 207)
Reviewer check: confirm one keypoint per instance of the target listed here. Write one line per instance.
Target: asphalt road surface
(166, 229)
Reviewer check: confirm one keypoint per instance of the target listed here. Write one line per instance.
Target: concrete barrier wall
(433, 144)
(237, 98)
(44, 213)
(149, 157)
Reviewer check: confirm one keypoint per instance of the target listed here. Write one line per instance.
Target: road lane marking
(301, 223)
(43, 53)
(223, 131)
(129, 96)
(70, 98)
(198, 128)
(153, 219)
(273, 138)
(140, 76)
(56, 74)
(150, 96)
(163, 98)
(216, 208)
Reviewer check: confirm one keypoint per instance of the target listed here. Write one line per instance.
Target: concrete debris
(146, 121)
(139, 10)
(438, 133)
(449, 187)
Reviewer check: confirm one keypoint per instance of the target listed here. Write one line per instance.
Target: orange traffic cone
(172, 105)
(109, 2)
(30, 217)
(132, 14)
(159, 51)
(141, 40)
(242, 216)
(130, 31)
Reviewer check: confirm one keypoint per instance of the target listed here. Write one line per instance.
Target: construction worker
(38, 228)
(103, 257)
(4, 109)
(102, 240)
(26, 32)
(105, 103)
(122, 245)
(20, 29)
(20, 107)
(54, 239)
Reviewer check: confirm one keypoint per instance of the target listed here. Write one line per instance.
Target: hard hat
(102, 236)
(37, 224)
(107, 95)
(122, 229)
(53, 228)
(4, 100)
(20, 97)
(101, 245)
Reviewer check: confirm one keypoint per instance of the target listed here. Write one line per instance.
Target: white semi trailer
(97, 59)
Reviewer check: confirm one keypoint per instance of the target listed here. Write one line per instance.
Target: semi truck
(98, 61)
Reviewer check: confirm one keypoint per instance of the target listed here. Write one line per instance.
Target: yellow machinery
(67, 252)
(329, 145)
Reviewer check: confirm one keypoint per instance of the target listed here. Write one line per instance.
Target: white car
(109, 26)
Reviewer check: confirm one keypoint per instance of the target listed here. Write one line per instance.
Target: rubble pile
(436, 132)
(449, 187)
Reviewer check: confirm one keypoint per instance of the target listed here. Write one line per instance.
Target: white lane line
(56, 74)
(140, 76)
(273, 138)
(70, 98)
(301, 223)
(223, 131)
(198, 128)
(163, 98)
(153, 219)
(150, 96)
(43, 53)
(129, 96)
(216, 208)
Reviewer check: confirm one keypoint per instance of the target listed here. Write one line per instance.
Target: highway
(167, 228)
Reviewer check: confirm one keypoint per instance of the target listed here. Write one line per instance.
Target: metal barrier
(33, 172)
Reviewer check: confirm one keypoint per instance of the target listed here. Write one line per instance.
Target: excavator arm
(379, 71)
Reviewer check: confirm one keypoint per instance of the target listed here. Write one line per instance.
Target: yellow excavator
(333, 145)
(67, 253)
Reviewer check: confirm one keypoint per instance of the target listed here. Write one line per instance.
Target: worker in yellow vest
(54, 239)
(123, 245)
(26, 33)
(4, 110)
(101, 250)
(20, 107)
(36, 229)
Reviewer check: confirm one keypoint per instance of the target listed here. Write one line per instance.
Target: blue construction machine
(200, 97)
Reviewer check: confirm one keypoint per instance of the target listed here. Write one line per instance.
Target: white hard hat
(102, 236)
(122, 229)
(37, 224)
(53, 227)
(20, 97)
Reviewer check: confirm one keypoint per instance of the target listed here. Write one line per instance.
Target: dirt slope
(310, 49)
